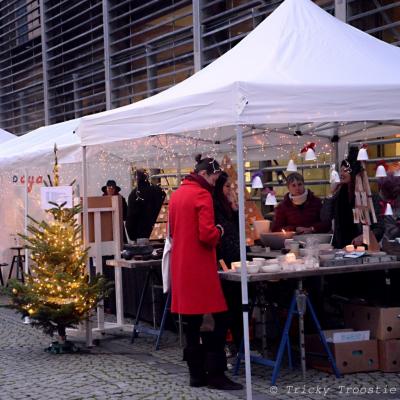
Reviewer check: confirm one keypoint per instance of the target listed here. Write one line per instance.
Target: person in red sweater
(300, 209)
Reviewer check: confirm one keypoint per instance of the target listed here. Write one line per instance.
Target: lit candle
(349, 248)
(360, 248)
(290, 257)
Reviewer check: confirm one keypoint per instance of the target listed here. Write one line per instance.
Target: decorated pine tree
(58, 293)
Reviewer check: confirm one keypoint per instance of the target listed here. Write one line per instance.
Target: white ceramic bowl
(271, 268)
(318, 237)
(259, 260)
(252, 267)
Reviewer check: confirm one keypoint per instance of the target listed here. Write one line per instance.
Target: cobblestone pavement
(117, 369)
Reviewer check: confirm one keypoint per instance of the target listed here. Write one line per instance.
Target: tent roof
(36, 147)
(5, 136)
(299, 65)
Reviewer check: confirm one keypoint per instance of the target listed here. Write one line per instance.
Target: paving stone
(119, 370)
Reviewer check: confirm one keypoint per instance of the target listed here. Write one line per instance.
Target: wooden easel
(105, 239)
(364, 209)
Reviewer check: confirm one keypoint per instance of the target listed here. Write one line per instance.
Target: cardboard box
(389, 355)
(383, 323)
(361, 356)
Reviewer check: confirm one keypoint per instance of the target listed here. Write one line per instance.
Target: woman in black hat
(111, 189)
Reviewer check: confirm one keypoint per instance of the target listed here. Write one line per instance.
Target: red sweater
(289, 216)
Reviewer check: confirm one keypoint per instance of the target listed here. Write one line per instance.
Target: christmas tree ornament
(380, 172)
(291, 167)
(308, 151)
(256, 182)
(362, 153)
(388, 209)
(334, 176)
(270, 200)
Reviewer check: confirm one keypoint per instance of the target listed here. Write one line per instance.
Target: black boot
(194, 356)
(216, 378)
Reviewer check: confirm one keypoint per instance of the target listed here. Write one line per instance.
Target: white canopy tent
(35, 148)
(299, 66)
(5, 136)
(29, 158)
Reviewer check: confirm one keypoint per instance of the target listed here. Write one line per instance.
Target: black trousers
(214, 341)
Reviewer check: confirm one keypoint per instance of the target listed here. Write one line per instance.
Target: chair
(17, 260)
(1, 273)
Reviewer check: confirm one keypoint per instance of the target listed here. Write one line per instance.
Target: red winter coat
(195, 284)
(289, 216)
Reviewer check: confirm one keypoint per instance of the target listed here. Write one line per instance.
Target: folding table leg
(323, 339)
(163, 319)
(139, 310)
(284, 340)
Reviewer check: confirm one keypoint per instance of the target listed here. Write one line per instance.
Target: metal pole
(243, 273)
(107, 61)
(26, 265)
(43, 35)
(85, 217)
(197, 39)
(341, 10)
(26, 251)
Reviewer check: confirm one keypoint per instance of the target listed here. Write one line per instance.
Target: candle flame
(283, 231)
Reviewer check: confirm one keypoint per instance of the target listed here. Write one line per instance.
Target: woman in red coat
(195, 284)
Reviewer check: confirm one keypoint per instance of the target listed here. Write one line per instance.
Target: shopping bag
(166, 263)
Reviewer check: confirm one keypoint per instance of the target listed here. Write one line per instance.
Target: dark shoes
(198, 381)
(222, 382)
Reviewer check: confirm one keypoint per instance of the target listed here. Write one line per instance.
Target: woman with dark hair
(340, 206)
(195, 284)
(226, 214)
(228, 250)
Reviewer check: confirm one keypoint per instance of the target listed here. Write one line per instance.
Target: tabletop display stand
(105, 239)
(364, 211)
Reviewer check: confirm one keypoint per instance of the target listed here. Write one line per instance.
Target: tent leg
(85, 216)
(242, 235)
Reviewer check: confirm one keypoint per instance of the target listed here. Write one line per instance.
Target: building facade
(63, 59)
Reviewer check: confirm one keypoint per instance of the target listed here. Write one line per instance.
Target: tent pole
(26, 251)
(26, 265)
(243, 273)
(85, 217)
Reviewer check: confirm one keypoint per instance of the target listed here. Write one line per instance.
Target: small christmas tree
(59, 293)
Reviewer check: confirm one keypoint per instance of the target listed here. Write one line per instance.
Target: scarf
(299, 200)
(200, 180)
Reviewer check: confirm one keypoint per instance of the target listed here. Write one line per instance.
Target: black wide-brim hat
(111, 183)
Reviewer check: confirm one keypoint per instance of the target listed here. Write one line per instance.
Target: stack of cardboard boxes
(370, 342)
(384, 325)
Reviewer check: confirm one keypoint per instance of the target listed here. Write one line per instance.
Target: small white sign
(55, 194)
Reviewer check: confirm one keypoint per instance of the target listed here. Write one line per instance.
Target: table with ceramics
(299, 272)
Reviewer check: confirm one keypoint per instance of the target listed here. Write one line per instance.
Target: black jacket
(144, 204)
(345, 230)
(229, 247)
